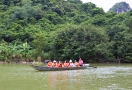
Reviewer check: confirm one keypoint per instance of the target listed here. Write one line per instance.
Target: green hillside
(62, 30)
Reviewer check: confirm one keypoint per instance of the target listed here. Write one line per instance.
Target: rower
(80, 62)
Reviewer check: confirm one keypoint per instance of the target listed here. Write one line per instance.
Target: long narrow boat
(45, 68)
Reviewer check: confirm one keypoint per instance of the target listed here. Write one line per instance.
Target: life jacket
(54, 64)
(59, 64)
(76, 64)
(49, 64)
(66, 64)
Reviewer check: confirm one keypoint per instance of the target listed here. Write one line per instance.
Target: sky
(107, 4)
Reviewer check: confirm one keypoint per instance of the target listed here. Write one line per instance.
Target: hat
(70, 61)
(54, 61)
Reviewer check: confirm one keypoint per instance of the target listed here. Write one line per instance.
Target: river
(104, 77)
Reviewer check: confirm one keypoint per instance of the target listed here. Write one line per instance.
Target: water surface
(104, 77)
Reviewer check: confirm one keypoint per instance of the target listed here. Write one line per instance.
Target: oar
(89, 65)
(93, 66)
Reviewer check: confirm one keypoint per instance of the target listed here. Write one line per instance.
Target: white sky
(107, 4)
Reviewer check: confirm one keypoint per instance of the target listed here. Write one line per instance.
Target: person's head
(54, 61)
(65, 61)
(59, 61)
(80, 59)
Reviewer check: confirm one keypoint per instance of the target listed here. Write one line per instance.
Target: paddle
(93, 66)
(89, 65)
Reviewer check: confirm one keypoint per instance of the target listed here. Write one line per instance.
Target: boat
(45, 68)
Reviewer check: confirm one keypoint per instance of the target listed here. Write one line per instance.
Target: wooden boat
(45, 68)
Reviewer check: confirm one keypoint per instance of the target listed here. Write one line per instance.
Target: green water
(104, 77)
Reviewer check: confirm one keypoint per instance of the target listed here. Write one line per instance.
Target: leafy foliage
(64, 29)
(85, 40)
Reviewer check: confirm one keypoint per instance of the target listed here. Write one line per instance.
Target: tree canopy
(63, 30)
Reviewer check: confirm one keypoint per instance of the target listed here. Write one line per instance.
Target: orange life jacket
(77, 64)
(59, 64)
(54, 64)
(66, 64)
(49, 64)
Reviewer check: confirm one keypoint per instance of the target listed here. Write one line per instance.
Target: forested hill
(120, 7)
(63, 30)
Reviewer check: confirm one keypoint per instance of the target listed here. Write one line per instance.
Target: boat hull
(44, 68)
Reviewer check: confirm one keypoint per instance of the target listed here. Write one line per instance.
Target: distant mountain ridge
(120, 7)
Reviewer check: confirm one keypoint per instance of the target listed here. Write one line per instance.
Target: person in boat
(49, 64)
(76, 64)
(54, 64)
(66, 64)
(71, 64)
(60, 64)
(80, 62)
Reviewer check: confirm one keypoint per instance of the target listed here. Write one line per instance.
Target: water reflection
(64, 80)
(108, 78)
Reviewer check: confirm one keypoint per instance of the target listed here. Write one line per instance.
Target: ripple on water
(113, 87)
(101, 71)
(101, 78)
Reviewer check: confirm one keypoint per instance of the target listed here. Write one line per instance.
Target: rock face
(120, 7)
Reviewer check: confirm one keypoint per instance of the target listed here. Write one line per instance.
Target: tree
(88, 8)
(98, 20)
(39, 43)
(118, 36)
(85, 40)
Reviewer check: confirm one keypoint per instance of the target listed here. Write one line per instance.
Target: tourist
(54, 63)
(60, 64)
(49, 64)
(76, 63)
(80, 62)
(66, 64)
(71, 64)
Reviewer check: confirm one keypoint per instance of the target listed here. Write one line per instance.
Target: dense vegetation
(120, 7)
(63, 30)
